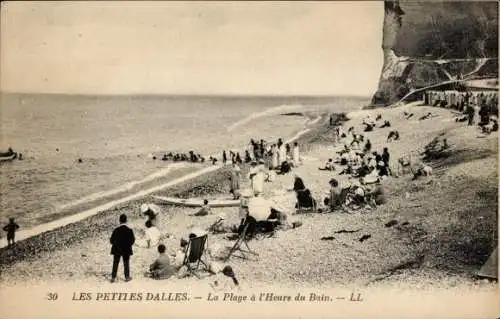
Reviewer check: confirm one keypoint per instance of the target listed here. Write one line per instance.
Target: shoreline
(184, 184)
(451, 227)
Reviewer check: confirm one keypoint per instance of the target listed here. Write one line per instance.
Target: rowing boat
(8, 158)
(196, 202)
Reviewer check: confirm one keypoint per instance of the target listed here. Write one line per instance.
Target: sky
(277, 48)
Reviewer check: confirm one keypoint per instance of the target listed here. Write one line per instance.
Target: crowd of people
(366, 168)
(183, 157)
(459, 100)
(470, 103)
(123, 240)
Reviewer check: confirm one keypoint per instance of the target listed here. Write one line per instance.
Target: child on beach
(11, 228)
(225, 280)
(161, 268)
(204, 210)
(328, 166)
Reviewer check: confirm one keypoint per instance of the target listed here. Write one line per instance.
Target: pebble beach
(429, 252)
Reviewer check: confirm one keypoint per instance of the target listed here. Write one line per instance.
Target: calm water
(114, 135)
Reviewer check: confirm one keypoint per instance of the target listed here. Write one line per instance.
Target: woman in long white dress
(235, 180)
(258, 179)
(282, 154)
(296, 154)
(274, 157)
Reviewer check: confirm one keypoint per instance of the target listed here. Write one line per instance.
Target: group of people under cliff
(485, 104)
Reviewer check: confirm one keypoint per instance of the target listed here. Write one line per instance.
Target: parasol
(259, 208)
(150, 207)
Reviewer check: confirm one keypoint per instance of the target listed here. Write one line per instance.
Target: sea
(116, 137)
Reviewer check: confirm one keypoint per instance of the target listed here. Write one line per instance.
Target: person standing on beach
(11, 228)
(274, 157)
(385, 157)
(281, 154)
(470, 114)
(235, 180)
(296, 154)
(224, 157)
(262, 149)
(256, 176)
(121, 241)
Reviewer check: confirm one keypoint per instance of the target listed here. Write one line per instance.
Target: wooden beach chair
(196, 249)
(242, 240)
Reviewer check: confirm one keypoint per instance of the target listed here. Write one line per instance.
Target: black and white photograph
(246, 159)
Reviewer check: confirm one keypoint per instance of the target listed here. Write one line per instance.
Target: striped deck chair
(196, 249)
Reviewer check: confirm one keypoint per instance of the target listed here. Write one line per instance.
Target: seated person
(423, 170)
(298, 184)
(393, 135)
(363, 170)
(161, 268)
(426, 116)
(204, 210)
(348, 170)
(180, 255)
(383, 170)
(271, 176)
(386, 124)
(328, 166)
(344, 150)
(355, 145)
(334, 201)
(305, 200)
(225, 280)
(263, 215)
(285, 168)
(375, 195)
(368, 127)
(371, 178)
(355, 195)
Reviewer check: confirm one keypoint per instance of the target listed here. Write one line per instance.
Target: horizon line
(184, 94)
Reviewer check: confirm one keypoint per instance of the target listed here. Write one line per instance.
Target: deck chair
(242, 240)
(196, 249)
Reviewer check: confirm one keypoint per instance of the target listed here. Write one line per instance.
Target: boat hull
(190, 202)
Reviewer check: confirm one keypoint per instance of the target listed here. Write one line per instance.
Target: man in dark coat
(122, 240)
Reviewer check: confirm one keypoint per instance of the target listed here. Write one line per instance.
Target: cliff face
(426, 43)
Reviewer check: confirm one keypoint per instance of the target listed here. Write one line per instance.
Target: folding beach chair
(196, 249)
(242, 239)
